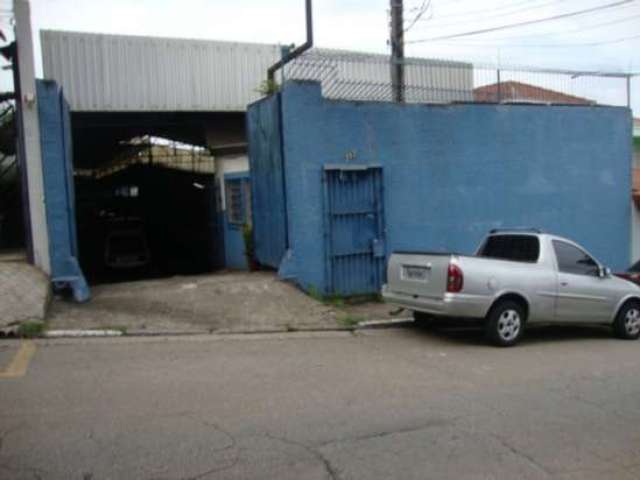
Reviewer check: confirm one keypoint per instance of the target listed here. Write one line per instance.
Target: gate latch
(377, 246)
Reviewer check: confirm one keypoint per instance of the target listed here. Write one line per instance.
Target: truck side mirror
(604, 272)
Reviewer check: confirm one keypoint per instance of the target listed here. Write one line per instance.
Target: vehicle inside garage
(146, 199)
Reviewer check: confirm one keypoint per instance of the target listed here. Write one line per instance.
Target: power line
(545, 45)
(583, 28)
(521, 24)
(478, 14)
(423, 9)
(621, 10)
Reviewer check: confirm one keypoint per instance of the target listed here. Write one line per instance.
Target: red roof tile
(512, 91)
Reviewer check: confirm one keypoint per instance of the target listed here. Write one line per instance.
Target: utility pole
(397, 51)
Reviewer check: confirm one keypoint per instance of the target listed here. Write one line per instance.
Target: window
(573, 260)
(519, 248)
(235, 203)
(238, 200)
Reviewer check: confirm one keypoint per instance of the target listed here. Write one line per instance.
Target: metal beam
(297, 51)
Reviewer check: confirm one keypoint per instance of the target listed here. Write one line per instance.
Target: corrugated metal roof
(100, 72)
(130, 73)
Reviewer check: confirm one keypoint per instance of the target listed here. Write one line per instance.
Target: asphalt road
(388, 404)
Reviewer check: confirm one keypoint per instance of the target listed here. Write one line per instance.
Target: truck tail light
(455, 278)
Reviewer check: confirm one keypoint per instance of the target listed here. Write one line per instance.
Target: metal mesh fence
(367, 77)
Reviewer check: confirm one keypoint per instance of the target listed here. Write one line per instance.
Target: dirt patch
(372, 310)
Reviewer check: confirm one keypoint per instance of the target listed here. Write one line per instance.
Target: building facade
(337, 186)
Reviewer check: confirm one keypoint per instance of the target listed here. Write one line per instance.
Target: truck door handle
(564, 284)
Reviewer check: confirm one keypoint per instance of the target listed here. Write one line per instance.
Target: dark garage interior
(146, 194)
(12, 231)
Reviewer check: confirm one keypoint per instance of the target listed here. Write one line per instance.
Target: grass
(350, 321)
(334, 301)
(340, 301)
(315, 294)
(31, 329)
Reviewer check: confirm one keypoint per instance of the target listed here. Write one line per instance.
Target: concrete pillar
(31, 128)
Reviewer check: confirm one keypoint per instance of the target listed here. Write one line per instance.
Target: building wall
(268, 194)
(635, 233)
(635, 211)
(453, 172)
(57, 174)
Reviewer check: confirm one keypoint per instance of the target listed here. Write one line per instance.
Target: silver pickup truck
(516, 278)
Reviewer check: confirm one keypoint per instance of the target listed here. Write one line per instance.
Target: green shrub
(249, 246)
(31, 329)
(268, 87)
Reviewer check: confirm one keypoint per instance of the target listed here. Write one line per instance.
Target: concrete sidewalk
(216, 303)
(24, 291)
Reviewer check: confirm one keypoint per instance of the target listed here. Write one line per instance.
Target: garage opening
(12, 225)
(147, 202)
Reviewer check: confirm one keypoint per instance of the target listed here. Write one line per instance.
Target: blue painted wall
(268, 195)
(57, 170)
(453, 172)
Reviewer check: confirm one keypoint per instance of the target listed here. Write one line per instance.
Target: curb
(81, 333)
(396, 322)
(386, 323)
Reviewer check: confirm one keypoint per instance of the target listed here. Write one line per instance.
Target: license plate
(412, 272)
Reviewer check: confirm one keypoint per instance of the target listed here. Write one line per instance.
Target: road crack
(437, 423)
(332, 472)
(519, 453)
(231, 444)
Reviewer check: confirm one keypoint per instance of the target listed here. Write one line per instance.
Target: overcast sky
(568, 42)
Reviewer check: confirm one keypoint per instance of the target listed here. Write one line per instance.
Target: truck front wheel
(505, 323)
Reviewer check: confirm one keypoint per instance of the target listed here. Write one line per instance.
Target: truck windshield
(519, 248)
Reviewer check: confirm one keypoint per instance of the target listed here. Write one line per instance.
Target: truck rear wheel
(627, 322)
(504, 324)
